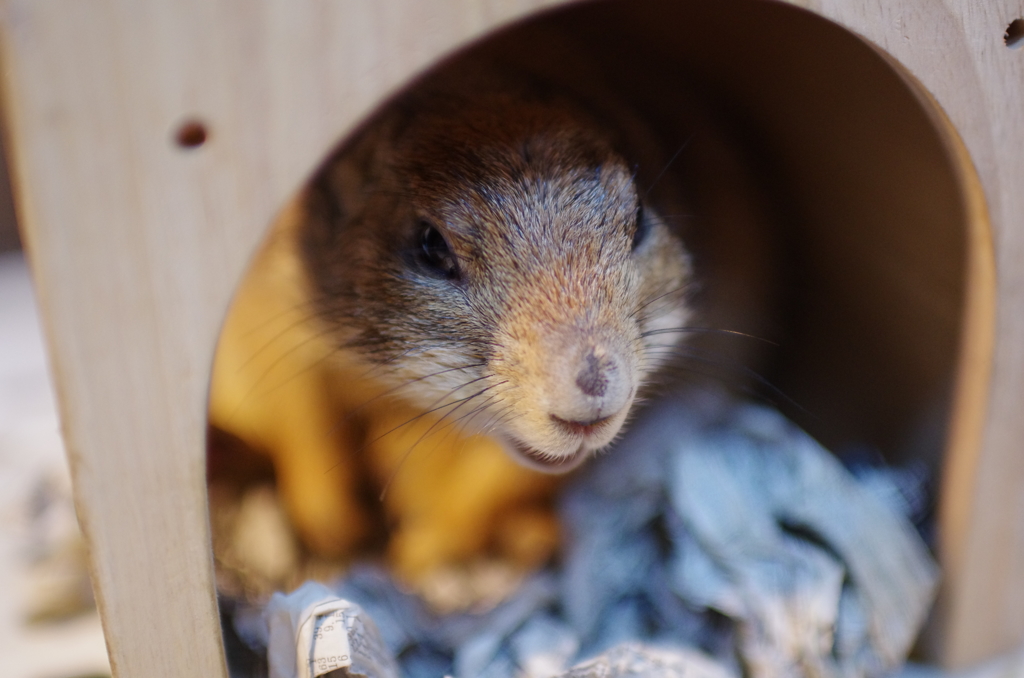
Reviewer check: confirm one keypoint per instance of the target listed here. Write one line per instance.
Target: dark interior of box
(869, 214)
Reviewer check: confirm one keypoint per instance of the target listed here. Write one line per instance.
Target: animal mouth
(548, 463)
(590, 435)
(584, 429)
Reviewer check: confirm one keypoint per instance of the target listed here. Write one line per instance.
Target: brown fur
(358, 367)
(539, 206)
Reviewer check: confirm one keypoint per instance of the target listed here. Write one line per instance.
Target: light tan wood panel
(137, 244)
(956, 50)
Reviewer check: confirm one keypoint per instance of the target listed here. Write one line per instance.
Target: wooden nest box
(152, 143)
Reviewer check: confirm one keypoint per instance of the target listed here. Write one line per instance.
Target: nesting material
(715, 539)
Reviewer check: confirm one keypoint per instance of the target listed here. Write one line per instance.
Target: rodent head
(494, 257)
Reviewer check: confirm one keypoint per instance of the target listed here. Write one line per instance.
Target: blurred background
(49, 627)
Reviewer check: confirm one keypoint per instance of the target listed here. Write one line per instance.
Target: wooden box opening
(877, 241)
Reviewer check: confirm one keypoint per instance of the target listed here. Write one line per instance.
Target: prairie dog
(465, 302)
(494, 248)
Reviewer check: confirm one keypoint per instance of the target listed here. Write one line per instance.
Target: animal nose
(593, 378)
(600, 385)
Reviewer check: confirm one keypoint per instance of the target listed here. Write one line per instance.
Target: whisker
(403, 424)
(757, 377)
(412, 447)
(270, 342)
(277, 316)
(667, 165)
(468, 417)
(709, 330)
(507, 416)
(430, 410)
(270, 368)
(452, 426)
(406, 384)
(647, 303)
(312, 365)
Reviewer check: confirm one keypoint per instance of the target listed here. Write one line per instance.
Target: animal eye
(642, 227)
(436, 254)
